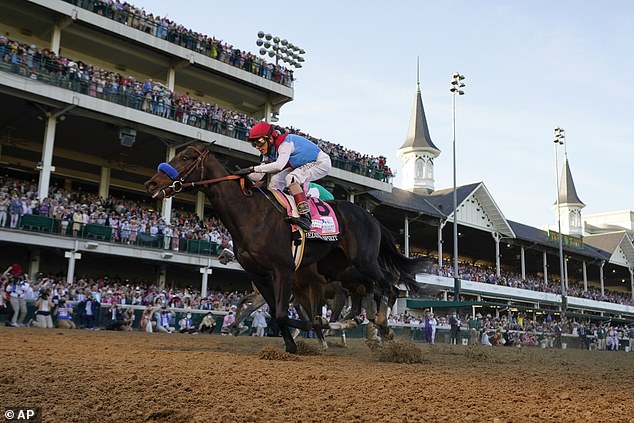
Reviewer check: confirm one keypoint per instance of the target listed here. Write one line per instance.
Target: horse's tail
(401, 268)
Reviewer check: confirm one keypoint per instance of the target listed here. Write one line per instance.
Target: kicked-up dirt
(87, 376)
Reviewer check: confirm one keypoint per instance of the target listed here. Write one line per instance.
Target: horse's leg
(282, 279)
(339, 297)
(256, 300)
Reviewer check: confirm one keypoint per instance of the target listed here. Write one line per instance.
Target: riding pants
(307, 173)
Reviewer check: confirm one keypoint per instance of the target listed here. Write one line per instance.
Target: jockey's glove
(244, 171)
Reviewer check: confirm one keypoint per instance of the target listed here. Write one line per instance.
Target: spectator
(128, 320)
(612, 341)
(115, 317)
(259, 321)
(15, 211)
(186, 325)
(64, 312)
(227, 323)
(433, 322)
(474, 326)
(4, 208)
(485, 340)
(44, 310)
(454, 322)
(207, 324)
(428, 327)
(89, 310)
(147, 324)
(17, 290)
(163, 321)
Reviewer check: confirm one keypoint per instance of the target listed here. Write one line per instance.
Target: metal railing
(203, 44)
(156, 104)
(117, 235)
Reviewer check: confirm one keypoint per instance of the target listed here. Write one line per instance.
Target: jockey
(293, 159)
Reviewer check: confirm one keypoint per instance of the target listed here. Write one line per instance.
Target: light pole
(280, 49)
(457, 85)
(560, 139)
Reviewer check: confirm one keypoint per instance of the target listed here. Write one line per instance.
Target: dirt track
(133, 377)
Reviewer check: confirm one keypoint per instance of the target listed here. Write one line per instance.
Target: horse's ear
(208, 147)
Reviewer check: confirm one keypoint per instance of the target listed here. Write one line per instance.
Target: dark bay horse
(262, 237)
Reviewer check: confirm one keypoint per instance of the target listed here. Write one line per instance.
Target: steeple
(418, 151)
(569, 203)
(567, 191)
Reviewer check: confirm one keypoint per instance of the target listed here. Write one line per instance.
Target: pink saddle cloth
(325, 225)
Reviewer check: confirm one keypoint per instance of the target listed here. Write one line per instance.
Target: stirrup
(303, 222)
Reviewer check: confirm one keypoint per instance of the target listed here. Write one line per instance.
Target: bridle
(178, 180)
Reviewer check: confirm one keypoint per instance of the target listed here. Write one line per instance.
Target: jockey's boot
(304, 220)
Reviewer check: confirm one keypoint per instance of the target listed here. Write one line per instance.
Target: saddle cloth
(325, 225)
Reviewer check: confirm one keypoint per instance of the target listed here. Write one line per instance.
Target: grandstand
(93, 98)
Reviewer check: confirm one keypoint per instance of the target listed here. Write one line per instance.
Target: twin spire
(418, 151)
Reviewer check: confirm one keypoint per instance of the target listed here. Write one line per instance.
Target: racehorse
(262, 237)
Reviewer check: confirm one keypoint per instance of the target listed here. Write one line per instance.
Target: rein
(178, 184)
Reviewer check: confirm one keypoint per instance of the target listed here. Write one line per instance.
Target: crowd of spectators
(130, 220)
(173, 32)
(88, 295)
(154, 97)
(531, 282)
(509, 328)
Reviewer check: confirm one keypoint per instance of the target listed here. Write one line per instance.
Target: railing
(153, 104)
(199, 43)
(414, 332)
(118, 235)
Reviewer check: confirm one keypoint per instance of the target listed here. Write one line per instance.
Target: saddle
(325, 226)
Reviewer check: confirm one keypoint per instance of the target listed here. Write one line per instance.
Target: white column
(34, 263)
(545, 260)
(351, 197)
(47, 157)
(200, 205)
(162, 274)
(496, 237)
(523, 262)
(585, 276)
(72, 256)
(171, 77)
(440, 242)
(56, 38)
(268, 109)
(566, 271)
(206, 271)
(104, 182)
(601, 277)
(632, 281)
(406, 233)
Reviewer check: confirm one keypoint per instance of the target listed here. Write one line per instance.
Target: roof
(406, 200)
(443, 198)
(539, 236)
(440, 204)
(567, 191)
(418, 137)
(613, 243)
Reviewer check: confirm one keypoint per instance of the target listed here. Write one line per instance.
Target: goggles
(259, 142)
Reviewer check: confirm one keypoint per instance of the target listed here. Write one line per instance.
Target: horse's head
(188, 166)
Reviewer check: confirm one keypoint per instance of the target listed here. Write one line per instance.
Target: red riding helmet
(259, 130)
